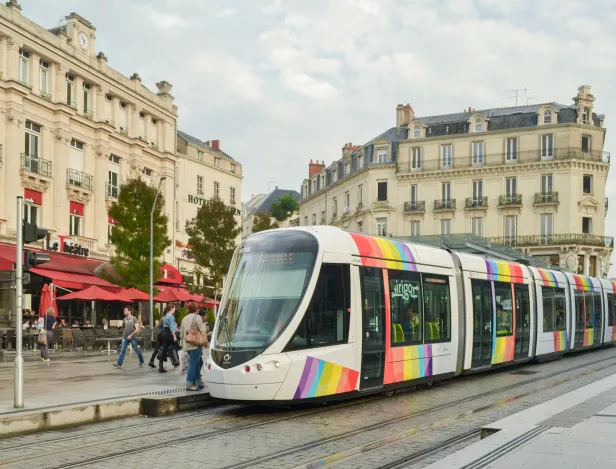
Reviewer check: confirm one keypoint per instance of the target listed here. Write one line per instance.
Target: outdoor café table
(109, 340)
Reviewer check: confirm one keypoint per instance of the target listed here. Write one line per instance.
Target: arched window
(585, 116)
(547, 117)
(479, 124)
(417, 131)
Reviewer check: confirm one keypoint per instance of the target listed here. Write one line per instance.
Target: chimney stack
(216, 145)
(315, 168)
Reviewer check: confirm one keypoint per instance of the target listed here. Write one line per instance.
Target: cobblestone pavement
(373, 432)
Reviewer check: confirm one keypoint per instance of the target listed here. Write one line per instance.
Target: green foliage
(262, 222)
(211, 318)
(131, 236)
(211, 235)
(284, 207)
(156, 314)
(180, 314)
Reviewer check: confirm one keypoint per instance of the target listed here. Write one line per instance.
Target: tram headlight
(259, 367)
(277, 364)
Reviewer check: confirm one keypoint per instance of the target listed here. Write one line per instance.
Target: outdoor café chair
(79, 339)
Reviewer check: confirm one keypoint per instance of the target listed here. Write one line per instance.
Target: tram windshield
(266, 282)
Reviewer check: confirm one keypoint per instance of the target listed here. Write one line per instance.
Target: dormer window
(417, 131)
(585, 116)
(479, 124)
(547, 117)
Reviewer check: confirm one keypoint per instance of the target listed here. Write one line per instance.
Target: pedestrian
(193, 321)
(169, 327)
(45, 327)
(105, 325)
(159, 343)
(131, 329)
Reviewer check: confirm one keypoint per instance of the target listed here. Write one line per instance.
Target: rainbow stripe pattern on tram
(582, 282)
(548, 278)
(501, 271)
(503, 349)
(322, 378)
(412, 362)
(384, 253)
(589, 337)
(560, 341)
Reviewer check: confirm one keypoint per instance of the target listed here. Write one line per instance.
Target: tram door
(373, 328)
(580, 319)
(522, 321)
(482, 323)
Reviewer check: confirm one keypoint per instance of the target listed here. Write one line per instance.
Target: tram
(320, 313)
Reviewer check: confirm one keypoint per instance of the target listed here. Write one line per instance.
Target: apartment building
(263, 203)
(531, 177)
(203, 172)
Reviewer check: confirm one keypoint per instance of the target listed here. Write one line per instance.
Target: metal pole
(19, 360)
(152, 255)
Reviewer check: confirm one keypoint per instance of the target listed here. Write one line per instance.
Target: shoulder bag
(194, 336)
(42, 337)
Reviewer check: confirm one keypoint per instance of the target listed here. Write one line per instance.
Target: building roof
(200, 143)
(265, 204)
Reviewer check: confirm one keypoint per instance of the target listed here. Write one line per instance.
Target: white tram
(322, 313)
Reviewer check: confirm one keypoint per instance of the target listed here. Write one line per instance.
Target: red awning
(171, 295)
(136, 295)
(71, 280)
(171, 275)
(94, 293)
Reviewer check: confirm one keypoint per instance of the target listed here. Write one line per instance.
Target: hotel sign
(193, 199)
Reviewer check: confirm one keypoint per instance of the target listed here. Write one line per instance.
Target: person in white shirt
(193, 319)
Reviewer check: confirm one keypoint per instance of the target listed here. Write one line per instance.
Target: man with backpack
(131, 329)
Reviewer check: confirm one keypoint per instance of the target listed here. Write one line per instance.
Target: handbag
(42, 337)
(194, 336)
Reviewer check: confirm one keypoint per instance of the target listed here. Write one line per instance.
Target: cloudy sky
(282, 81)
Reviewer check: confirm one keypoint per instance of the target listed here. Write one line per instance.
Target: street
(409, 430)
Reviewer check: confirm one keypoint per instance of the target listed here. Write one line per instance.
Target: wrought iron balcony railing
(476, 203)
(79, 179)
(445, 204)
(416, 206)
(546, 198)
(555, 240)
(510, 200)
(34, 164)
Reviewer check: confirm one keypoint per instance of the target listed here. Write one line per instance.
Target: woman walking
(45, 326)
(168, 337)
(193, 322)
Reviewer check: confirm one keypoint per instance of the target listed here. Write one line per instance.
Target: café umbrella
(95, 293)
(46, 301)
(135, 295)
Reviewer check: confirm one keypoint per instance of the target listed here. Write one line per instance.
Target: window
(554, 308)
(44, 77)
(24, 66)
(611, 310)
(477, 153)
(112, 183)
(322, 216)
(415, 228)
(405, 307)
(69, 89)
(382, 156)
(334, 175)
(587, 184)
(382, 190)
(446, 226)
(414, 193)
(109, 232)
(31, 213)
(122, 117)
(75, 225)
(147, 172)
(547, 226)
(314, 218)
(477, 226)
(511, 187)
(153, 131)
(360, 226)
(446, 193)
(360, 194)
(504, 309)
(479, 124)
(511, 227)
(587, 225)
(417, 131)
(77, 144)
(217, 162)
(547, 147)
(446, 156)
(347, 200)
(114, 159)
(585, 116)
(305, 221)
(335, 207)
(359, 165)
(233, 169)
(436, 308)
(347, 169)
(200, 185)
(415, 158)
(547, 117)
(512, 150)
(546, 184)
(232, 195)
(326, 321)
(33, 133)
(381, 226)
(477, 192)
(86, 98)
(586, 143)
(216, 189)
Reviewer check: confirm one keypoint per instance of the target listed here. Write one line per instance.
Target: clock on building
(83, 41)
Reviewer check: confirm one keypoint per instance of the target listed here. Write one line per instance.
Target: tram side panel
(609, 290)
(587, 311)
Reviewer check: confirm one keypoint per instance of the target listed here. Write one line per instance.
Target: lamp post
(152, 254)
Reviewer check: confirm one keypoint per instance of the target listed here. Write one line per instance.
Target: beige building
(531, 177)
(263, 203)
(72, 129)
(203, 171)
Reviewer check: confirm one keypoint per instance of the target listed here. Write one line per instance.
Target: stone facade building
(531, 177)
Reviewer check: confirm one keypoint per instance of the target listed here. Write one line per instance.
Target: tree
(262, 222)
(131, 234)
(211, 236)
(284, 207)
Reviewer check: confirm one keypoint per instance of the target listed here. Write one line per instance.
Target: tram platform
(575, 430)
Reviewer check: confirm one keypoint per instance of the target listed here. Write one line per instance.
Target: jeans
(134, 342)
(45, 347)
(193, 375)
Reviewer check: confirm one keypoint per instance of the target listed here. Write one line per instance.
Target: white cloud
(226, 13)
(272, 8)
(224, 75)
(166, 20)
(308, 86)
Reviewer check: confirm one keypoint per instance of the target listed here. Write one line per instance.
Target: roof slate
(200, 143)
(268, 201)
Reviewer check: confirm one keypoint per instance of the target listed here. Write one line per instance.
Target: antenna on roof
(525, 89)
(528, 99)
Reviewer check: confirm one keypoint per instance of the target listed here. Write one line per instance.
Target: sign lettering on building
(61, 245)
(193, 199)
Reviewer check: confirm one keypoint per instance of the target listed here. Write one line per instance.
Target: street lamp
(152, 253)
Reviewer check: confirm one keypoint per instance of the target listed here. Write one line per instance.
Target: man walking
(168, 327)
(131, 329)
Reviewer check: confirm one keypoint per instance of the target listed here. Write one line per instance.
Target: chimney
(404, 115)
(314, 168)
(216, 145)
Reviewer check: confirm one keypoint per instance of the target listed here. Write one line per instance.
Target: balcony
(555, 240)
(510, 201)
(445, 205)
(476, 203)
(78, 179)
(88, 114)
(418, 206)
(35, 165)
(111, 190)
(45, 96)
(546, 198)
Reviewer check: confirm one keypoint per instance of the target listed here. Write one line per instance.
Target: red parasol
(136, 295)
(95, 293)
(171, 295)
(46, 302)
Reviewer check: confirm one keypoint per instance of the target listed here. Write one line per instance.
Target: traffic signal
(33, 233)
(34, 259)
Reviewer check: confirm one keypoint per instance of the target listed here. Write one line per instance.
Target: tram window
(504, 309)
(610, 309)
(579, 310)
(437, 308)
(548, 308)
(373, 300)
(326, 321)
(405, 302)
(588, 302)
(560, 310)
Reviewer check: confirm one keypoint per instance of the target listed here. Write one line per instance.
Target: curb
(62, 417)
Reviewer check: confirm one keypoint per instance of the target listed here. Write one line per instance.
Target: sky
(280, 82)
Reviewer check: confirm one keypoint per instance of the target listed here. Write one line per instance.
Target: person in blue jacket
(168, 328)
